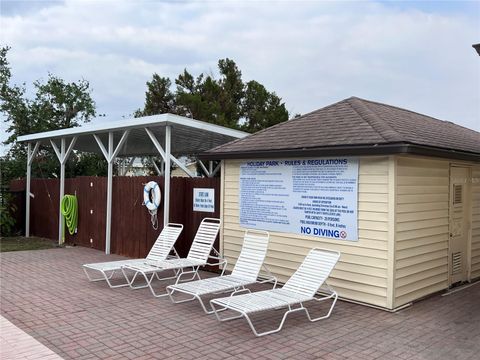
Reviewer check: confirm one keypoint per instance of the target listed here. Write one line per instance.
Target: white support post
(218, 167)
(159, 148)
(110, 155)
(155, 166)
(101, 146)
(119, 145)
(128, 164)
(121, 169)
(109, 194)
(167, 158)
(27, 191)
(202, 166)
(166, 195)
(181, 166)
(30, 155)
(62, 154)
(62, 192)
(211, 171)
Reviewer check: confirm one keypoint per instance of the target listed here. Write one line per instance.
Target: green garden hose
(69, 209)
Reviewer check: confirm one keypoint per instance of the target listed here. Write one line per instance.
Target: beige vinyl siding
(475, 249)
(422, 225)
(361, 273)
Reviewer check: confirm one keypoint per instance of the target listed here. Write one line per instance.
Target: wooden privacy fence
(132, 232)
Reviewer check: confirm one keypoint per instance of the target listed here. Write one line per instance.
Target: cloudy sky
(416, 55)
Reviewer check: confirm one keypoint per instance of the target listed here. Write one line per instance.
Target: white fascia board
(202, 125)
(104, 127)
(151, 121)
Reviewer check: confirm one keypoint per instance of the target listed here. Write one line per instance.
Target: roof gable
(416, 128)
(356, 122)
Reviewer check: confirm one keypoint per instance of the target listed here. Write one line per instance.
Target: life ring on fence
(152, 196)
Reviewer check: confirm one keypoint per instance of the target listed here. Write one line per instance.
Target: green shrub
(7, 208)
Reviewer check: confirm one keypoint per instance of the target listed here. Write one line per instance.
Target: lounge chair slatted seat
(245, 272)
(198, 256)
(160, 250)
(302, 286)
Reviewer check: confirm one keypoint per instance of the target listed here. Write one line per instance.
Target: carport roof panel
(189, 136)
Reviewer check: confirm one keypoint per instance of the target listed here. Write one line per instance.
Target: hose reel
(69, 209)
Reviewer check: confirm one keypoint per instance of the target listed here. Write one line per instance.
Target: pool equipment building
(396, 192)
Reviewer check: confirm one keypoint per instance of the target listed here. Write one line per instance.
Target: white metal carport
(169, 135)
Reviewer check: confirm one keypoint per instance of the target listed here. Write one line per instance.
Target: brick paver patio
(46, 294)
(17, 344)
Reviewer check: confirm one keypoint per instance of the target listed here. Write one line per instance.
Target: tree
(159, 98)
(57, 105)
(63, 105)
(12, 102)
(227, 101)
(88, 164)
(233, 91)
(261, 108)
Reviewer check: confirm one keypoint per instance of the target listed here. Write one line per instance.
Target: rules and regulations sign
(316, 197)
(204, 200)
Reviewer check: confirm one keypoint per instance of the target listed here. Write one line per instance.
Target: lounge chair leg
(334, 295)
(216, 311)
(239, 291)
(149, 284)
(249, 321)
(168, 277)
(274, 330)
(212, 310)
(91, 278)
(208, 312)
(131, 281)
(171, 291)
(105, 277)
(125, 275)
(195, 274)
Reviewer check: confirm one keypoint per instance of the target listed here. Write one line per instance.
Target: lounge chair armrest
(266, 276)
(220, 261)
(270, 279)
(326, 290)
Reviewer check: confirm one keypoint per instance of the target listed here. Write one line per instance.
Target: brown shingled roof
(357, 126)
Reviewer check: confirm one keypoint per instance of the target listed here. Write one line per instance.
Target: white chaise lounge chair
(163, 246)
(300, 288)
(245, 272)
(198, 256)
